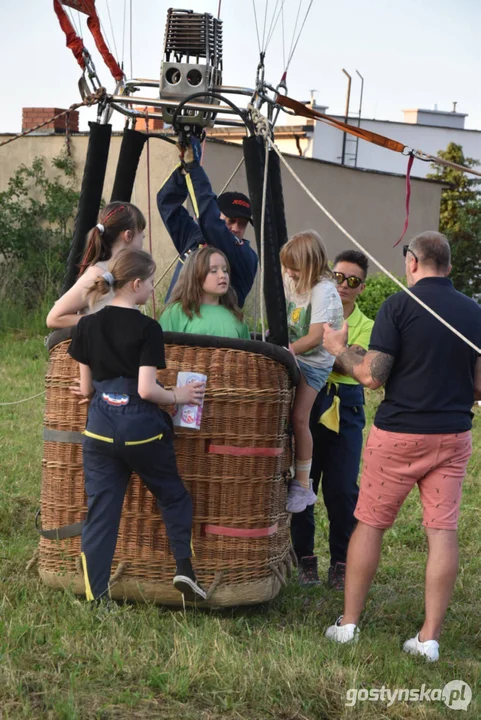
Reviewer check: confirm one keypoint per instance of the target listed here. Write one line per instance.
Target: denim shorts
(315, 377)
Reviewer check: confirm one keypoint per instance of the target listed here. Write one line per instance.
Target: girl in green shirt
(203, 301)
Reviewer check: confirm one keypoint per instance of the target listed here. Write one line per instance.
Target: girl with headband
(120, 225)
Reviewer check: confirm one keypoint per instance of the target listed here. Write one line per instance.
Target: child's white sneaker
(299, 497)
(342, 633)
(428, 648)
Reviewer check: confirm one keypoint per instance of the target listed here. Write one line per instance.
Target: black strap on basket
(61, 533)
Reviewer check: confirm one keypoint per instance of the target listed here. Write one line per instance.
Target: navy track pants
(120, 439)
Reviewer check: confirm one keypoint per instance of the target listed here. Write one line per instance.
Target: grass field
(58, 660)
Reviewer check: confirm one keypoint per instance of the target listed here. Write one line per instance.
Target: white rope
(177, 257)
(263, 218)
(239, 165)
(256, 290)
(368, 254)
(17, 402)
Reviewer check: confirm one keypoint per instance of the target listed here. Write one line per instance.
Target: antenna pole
(346, 117)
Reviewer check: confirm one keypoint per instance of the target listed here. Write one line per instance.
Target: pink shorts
(394, 462)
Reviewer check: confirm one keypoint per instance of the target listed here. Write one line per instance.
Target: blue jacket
(187, 235)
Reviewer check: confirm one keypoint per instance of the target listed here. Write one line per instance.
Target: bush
(36, 213)
(378, 288)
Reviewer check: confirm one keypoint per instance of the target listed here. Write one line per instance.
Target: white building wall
(327, 145)
(430, 139)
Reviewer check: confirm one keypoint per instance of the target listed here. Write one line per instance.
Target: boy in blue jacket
(222, 221)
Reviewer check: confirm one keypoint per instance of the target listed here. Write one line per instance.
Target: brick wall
(154, 123)
(34, 116)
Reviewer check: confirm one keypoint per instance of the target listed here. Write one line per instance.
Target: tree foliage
(378, 288)
(37, 213)
(460, 218)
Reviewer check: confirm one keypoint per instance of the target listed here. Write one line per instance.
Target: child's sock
(303, 471)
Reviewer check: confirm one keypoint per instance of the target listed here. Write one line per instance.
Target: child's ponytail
(128, 265)
(115, 218)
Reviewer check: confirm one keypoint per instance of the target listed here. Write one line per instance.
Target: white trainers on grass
(428, 648)
(342, 633)
(299, 497)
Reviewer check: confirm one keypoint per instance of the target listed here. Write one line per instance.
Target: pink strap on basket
(236, 450)
(240, 532)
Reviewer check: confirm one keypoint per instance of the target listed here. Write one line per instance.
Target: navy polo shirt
(431, 385)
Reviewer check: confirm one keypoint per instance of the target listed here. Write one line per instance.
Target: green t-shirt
(360, 328)
(214, 320)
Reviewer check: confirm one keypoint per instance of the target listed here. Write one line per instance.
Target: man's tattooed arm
(369, 367)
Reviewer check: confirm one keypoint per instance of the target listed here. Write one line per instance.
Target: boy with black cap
(221, 222)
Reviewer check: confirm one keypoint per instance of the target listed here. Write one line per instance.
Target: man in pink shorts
(421, 433)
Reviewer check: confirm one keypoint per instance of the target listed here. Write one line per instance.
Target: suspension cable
(131, 51)
(265, 24)
(149, 210)
(298, 36)
(283, 39)
(294, 31)
(271, 33)
(257, 26)
(112, 31)
(270, 24)
(123, 33)
(262, 236)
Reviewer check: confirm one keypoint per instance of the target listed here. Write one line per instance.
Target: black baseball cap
(234, 205)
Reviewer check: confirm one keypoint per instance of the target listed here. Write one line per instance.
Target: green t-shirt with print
(214, 320)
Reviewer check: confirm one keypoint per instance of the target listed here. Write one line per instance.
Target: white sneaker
(299, 497)
(428, 648)
(343, 633)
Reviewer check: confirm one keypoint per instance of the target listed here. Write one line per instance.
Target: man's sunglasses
(407, 249)
(352, 281)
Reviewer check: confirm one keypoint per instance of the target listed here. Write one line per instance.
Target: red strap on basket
(242, 451)
(240, 532)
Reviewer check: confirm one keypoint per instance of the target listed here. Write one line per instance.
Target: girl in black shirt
(119, 351)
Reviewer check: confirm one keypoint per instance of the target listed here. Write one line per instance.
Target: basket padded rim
(274, 352)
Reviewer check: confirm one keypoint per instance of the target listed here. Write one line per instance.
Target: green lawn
(58, 660)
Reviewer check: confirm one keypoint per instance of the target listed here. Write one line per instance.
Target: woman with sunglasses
(337, 422)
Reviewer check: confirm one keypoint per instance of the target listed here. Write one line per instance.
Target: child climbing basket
(235, 468)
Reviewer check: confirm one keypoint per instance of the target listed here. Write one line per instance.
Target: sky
(411, 53)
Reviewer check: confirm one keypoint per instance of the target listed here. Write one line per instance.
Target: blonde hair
(305, 253)
(188, 290)
(128, 265)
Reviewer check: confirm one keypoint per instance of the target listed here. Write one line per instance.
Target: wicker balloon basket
(235, 468)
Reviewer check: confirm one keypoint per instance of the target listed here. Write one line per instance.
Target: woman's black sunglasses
(352, 281)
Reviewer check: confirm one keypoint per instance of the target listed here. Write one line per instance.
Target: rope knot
(260, 122)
